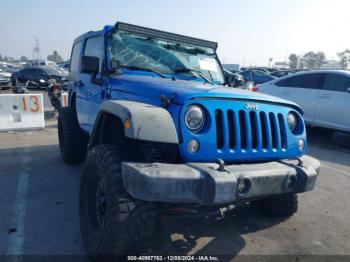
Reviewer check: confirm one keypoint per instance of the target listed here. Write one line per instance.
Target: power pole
(270, 61)
(36, 50)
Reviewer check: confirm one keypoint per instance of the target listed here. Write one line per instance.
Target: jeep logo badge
(249, 106)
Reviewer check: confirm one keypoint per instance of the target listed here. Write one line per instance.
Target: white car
(5, 74)
(324, 96)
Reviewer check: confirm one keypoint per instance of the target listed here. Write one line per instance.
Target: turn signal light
(127, 124)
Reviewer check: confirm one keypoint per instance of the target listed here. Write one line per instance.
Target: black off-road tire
(284, 205)
(72, 140)
(129, 224)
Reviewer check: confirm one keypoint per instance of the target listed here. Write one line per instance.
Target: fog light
(193, 146)
(301, 144)
(243, 186)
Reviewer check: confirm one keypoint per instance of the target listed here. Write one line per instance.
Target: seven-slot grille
(250, 130)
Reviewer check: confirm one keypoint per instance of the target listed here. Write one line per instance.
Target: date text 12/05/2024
(173, 258)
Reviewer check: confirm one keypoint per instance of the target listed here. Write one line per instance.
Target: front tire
(112, 222)
(72, 140)
(284, 205)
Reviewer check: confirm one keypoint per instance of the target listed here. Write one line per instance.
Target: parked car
(5, 67)
(4, 74)
(256, 76)
(282, 73)
(64, 66)
(5, 83)
(234, 79)
(267, 70)
(164, 135)
(35, 74)
(38, 63)
(324, 96)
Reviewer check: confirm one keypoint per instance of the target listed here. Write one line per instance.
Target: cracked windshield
(165, 57)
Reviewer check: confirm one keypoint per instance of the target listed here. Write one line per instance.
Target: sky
(249, 32)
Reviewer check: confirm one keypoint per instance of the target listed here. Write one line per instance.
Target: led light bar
(148, 32)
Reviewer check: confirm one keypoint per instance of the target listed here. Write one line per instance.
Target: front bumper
(202, 183)
(5, 84)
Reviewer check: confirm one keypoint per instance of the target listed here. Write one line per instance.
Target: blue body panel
(147, 87)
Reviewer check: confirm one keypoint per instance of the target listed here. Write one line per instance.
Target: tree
(301, 65)
(320, 59)
(23, 58)
(293, 61)
(314, 60)
(1, 57)
(55, 57)
(344, 58)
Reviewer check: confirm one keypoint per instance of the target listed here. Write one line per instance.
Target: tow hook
(221, 164)
(220, 213)
(300, 162)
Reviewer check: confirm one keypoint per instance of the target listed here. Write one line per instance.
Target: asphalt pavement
(39, 207)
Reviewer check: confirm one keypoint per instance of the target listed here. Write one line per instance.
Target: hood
(64, 73)
(5, 74)
(180, 91)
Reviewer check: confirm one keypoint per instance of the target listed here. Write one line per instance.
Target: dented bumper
(202, 183)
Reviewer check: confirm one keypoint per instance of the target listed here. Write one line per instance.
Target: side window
(75, 58)
(94, 47)
(309, 81)
(283, 82)
(336, 82)
(259, 73)
(246, 74)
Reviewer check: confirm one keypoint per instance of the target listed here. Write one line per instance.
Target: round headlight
(194, 118)
(292, 120)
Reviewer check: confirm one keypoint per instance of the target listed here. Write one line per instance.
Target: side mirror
(90, 65)
(348, 89)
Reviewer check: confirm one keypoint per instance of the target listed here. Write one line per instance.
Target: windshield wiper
(142, 68)
(194, 72)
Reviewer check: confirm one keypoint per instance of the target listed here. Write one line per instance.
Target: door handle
(285, 92)
(78, 83)
(324, 96)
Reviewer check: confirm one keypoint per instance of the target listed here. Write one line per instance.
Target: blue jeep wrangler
(164, 134)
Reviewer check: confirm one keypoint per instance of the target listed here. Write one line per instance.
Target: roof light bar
(148, 32)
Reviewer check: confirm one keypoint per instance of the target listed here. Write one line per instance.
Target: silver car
(323, 95)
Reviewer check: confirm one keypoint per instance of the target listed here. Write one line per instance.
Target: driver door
(75, 83)
(92, 94)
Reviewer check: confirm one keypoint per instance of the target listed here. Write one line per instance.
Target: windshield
(165, 57)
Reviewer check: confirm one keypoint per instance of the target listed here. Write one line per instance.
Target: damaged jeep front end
(242, 150)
